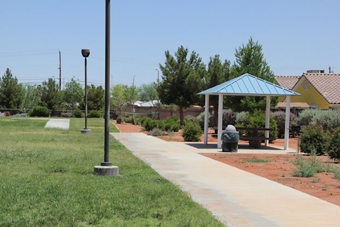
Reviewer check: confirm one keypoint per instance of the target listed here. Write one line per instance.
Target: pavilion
(247, 85)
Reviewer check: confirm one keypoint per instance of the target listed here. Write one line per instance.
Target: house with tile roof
(318, 89)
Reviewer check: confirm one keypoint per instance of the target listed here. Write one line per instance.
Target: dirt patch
(279, 168)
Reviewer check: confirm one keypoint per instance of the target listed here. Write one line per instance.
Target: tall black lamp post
(106, 168)
(85, 53)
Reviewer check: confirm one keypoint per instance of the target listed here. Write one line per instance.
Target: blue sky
(296, 35)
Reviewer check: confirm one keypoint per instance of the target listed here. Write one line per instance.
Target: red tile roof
(287, 81)
(327, 84)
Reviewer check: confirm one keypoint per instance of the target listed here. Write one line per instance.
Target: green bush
(242, 117)
(280, 118)
(313, 139)
(149, 124)
(143, 120)
(307, 167)
(77, 113)
(94, 114)
(334, 143)
(172, 124)
(137, 118)
(306, 116)
(328, 119)
(192, 132)
(119, 120)
(39, 111)
(200, 119)
(128, 119)
(190, 118)
(161, 125)
(258, 120)
(156, 132)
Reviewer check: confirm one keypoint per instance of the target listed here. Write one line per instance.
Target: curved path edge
(233, 196)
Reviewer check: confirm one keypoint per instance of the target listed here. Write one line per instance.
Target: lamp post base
(106, 170)
(86, 131)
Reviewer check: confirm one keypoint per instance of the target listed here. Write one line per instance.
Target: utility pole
(59, 70)
(133, 100)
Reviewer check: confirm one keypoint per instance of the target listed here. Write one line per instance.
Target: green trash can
(230, 138)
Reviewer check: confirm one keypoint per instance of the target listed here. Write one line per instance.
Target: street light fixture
(85, 53)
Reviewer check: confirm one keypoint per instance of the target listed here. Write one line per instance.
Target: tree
(31, 96)
(249, 59)
(50, 95)
(95, 98)
(11, 93)
(147, 92)
(73, 94)
(119, 97)
(132, 96)
(182, 79)
(217, 73)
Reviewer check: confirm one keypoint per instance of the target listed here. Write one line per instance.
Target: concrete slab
(58, 123)
(233, 196)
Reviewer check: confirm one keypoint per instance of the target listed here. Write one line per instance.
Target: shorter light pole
(85, 53)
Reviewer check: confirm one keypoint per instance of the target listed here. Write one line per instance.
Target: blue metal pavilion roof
(249, 85)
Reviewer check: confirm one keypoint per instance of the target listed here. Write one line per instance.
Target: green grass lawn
(46, 179)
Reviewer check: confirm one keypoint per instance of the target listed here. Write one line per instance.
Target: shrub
(329, 119)
(161, 125)
(175, 127)
(242, 117)
(190, 118)
(307, 167)
(200, 119)
(306, 116)
(67, 114)
(280, 118)
(313, 138)
(229, 117)
(258, 120)
(137, 119)
(334, 144)
(128, 119)
(172, 124)
(119, 120)
(149, 124)
(192, 132)
(143, 120)
(156, 132)
(94, 114)
(39, 111)
(77, 113)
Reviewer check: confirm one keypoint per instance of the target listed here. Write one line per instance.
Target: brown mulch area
(279, 169)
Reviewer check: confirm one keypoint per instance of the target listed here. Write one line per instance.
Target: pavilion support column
(206, 119)
(287, 122)
(267, 119)
(220, 114)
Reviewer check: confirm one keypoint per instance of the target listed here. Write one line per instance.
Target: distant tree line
(184, 75)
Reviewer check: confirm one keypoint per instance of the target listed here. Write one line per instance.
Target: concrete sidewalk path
(233, 196)
(58, 123)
